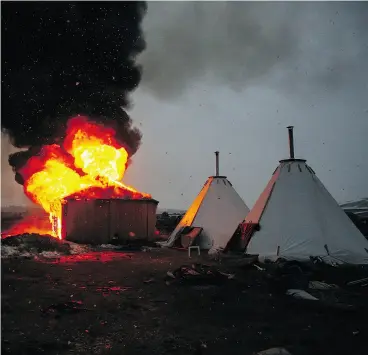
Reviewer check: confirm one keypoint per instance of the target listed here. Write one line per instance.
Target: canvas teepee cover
(299, 218)
(218, 209)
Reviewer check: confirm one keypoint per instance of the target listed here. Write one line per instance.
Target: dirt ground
(128, 308)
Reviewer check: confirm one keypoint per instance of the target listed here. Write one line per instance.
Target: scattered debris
(235, 259)
(258, 267)
(229, 276)
(149, 281)
(50, 254)
(274, 351)
(69, 307)
(362, 282)
(301, 294)
(200, 349)
(107, 290)
(284, 275)
(318, 285)
(324, 303)
(215, 252)
(78, 248)
(161, 244)
(199, 273)
(196, 295)
(131, 246)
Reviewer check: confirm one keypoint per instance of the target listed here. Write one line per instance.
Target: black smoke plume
(60, 59)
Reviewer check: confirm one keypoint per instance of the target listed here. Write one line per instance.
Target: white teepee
(299, 218)
(218, 209)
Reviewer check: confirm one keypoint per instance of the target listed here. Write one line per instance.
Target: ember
(90, 163)
(33, 224)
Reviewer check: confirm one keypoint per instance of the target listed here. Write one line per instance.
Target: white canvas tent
(299, 218)
(217, 209)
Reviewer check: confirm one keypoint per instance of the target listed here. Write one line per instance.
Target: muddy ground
(124, 306)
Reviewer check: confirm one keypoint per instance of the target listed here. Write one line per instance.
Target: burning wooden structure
(78, 183)
(102, 221)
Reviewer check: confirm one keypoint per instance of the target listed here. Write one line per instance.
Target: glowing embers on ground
(37, 223)
(94, 256)
(88, 164)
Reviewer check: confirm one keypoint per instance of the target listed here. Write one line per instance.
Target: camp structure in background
(212, 218)
(295, 217)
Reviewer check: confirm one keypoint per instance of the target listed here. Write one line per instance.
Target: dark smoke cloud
(60, 59)
(238, 44)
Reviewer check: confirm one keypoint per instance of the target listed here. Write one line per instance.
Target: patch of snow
(78, 248)
(50, 254)
(10, 252)
(24, 250)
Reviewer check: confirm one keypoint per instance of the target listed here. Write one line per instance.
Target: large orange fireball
(90, 163)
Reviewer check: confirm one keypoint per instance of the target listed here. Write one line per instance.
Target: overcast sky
(230, 77)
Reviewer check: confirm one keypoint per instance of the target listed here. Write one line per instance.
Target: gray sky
(231, 77)
(11, 192)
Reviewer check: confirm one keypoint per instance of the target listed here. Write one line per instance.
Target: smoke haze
(238, 44)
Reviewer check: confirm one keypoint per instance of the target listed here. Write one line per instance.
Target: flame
(95, 150)
(89, 164)
(32, 224)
